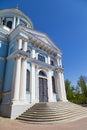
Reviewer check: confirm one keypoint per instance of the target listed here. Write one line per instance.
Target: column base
(15, 102)
(34, 101)
(23, 101)
(63, 100)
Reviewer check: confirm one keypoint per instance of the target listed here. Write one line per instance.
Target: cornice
(43, 35)
(26, 34)
(25, 56)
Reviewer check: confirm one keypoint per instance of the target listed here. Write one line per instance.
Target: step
(51, 119)
(52, 112)
(52, 116)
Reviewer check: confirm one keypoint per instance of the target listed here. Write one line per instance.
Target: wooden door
(43, 90)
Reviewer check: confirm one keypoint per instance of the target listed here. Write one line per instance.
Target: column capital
(59, 69)
(17, 56)
(23, 38)
(24, 58)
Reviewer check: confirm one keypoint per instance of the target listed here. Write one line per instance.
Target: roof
(16, 11)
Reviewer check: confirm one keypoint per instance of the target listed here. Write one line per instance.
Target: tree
(82, 84)
(69, 90)
(77, 94)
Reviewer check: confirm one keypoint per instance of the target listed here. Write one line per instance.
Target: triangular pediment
(44, 38)
(41, 37)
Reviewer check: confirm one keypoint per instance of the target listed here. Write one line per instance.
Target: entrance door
(43, 90)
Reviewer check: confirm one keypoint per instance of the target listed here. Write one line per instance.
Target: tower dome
(13, 17)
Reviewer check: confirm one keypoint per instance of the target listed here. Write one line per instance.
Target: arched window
(28, 81)
(41, 73)
(9, 24)
(4, 21)
(53, 84)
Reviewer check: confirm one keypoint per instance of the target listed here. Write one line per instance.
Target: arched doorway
(43, 87)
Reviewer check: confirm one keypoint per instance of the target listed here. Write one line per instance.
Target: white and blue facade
(30, 65)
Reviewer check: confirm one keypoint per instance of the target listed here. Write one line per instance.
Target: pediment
(41, 37)
(44, 38)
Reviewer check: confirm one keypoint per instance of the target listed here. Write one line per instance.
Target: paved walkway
(7, 124)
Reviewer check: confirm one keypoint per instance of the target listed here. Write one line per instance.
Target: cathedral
(30, 65)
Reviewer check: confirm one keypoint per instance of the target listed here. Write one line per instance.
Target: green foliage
(77, 94)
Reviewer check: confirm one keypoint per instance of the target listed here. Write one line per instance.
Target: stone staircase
(53, 112)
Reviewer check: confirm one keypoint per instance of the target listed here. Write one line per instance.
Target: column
(19, 44)
(61, 86)
(23, 76)
(16, 83)
(14, 22)
(49, 60)
(64, 91)
(18, 21)
(50, 90)
(33, 53)
(25, 46)
(23, 80)
(32, 83)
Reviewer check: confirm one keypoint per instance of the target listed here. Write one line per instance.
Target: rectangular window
(41, 58)
(51, 62)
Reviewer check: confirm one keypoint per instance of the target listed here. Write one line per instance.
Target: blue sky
(65, 21)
